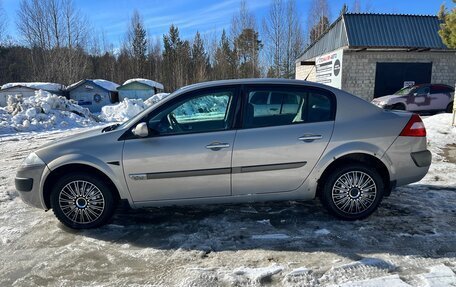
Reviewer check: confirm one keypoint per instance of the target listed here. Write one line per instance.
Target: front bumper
(28, 184)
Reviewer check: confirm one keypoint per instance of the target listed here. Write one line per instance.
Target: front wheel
(353, 192)
(82, 201)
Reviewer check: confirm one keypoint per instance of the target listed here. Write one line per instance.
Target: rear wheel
(82, 201)
(449, 108)
(352, 192)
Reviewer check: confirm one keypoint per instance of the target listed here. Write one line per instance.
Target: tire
(398, 107)
(82, 210)
(355, 203)
(449, 108)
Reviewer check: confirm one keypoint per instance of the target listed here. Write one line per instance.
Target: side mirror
(141, 130)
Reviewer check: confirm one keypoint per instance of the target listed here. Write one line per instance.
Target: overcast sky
(112, 16)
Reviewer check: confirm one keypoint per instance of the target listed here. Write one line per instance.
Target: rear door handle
(217, 146)
(310, 138)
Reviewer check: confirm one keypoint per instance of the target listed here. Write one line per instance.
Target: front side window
(286, 106)
(422, 91)
(200, 113)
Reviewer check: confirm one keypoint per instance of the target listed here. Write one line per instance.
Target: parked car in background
(230, 142)
(419, 98)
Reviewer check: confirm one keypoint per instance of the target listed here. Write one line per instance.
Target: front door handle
(310, 138)
(217, 146)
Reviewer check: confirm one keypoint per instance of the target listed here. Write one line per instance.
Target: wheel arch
(359, 158)
(72, 168)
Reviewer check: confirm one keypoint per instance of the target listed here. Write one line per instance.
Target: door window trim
(246, 88)
(231, 115)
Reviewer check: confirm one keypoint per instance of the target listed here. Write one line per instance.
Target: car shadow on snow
(415, 220)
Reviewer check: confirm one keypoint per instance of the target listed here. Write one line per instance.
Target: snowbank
(440, 132)
(51, 87)
(146, 82)
(43, 111)
(122, 111)
(128, 108)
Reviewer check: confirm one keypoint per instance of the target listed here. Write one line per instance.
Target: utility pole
(454, 106)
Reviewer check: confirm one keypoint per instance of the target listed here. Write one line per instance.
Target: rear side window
(286, 106)
(441, 90)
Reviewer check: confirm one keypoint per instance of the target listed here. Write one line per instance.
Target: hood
(386, 98)
(72, 138)
(91, 142)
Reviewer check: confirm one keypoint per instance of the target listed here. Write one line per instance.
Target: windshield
(404, 91)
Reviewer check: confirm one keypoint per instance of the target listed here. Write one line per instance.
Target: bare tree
(294, 39)
(283, 31)
(274, 32)
(246, 42)
(318, 16)
(57, 34)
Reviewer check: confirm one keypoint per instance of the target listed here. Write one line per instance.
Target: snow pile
(43, 111)
(441, 135)
(122, 111)
(156, 98)
(128, 108)
(440, 132)
(51, 87)
(150, 83)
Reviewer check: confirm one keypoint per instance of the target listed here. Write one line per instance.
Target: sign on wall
(329, 69)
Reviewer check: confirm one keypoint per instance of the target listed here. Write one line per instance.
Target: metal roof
(358, 30)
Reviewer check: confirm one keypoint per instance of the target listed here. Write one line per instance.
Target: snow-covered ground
(409, 241)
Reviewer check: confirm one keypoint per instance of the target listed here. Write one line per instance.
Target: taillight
(414, 127)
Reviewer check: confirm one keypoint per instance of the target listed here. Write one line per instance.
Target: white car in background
(419, 98)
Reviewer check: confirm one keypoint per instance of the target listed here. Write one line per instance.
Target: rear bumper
(409, 160)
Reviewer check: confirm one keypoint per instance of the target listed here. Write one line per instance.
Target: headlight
(32, 160)
(379, 103)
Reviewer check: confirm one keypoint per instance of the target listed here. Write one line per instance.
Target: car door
(277, 152)
(420, 99)
(440, 97)
(189, 152)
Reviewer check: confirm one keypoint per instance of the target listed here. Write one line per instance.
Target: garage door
(390, 77)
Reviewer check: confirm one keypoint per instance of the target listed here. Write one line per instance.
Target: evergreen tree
(248, 46)
(448, 28)
(138, 44)
(225, 63)
(200, 61)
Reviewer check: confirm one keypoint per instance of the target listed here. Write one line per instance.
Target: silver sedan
(232, 141)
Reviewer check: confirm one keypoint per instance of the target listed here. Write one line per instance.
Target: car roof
(264, 81)
(431, 85)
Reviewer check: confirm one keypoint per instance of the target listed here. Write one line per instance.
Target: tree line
(58, 45)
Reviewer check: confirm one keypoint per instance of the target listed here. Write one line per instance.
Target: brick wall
(358, 68)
